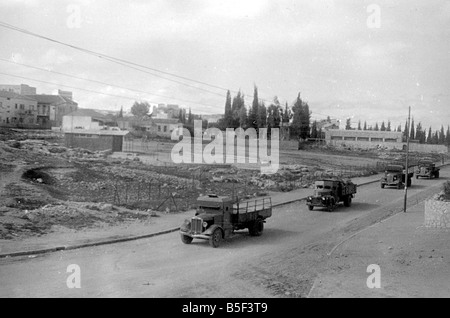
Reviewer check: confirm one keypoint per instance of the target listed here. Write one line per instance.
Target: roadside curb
(78, 246)
(124, 239)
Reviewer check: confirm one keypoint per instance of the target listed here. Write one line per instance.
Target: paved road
(282, 262)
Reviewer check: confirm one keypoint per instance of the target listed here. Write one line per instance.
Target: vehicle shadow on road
(417, 186)
(242, 239)
(356, 206)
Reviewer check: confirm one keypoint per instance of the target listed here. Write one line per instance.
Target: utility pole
(407, 155)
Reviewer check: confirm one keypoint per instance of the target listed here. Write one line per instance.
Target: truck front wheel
(436, 175)
(310, 207)
(186, 239)
(216, 238)
(348, 201)
(256, 228)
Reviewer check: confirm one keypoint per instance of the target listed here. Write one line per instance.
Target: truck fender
(212, 228)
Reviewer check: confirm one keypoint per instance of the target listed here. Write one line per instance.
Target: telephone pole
(407, 155)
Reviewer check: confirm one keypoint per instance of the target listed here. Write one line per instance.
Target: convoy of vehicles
(329, 193)
(217, 217)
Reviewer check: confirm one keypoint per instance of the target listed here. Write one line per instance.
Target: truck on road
(217, 218)
(395, 176)
(328, 193)
(427, 169)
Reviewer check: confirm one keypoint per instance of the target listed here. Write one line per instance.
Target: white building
(86, 119)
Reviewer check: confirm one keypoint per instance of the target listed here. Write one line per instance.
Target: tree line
(259, 115)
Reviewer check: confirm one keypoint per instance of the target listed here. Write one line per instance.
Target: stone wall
(437, 214)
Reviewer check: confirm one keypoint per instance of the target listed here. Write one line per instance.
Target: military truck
(427, 169)
(217, 218)
(328, 193)
(395, 176)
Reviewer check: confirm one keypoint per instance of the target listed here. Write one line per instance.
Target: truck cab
(329, 192)
(427, 168)
(395, 175)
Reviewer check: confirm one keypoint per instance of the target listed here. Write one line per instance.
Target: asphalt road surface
(283, 262)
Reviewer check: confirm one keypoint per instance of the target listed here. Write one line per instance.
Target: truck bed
(252, 209)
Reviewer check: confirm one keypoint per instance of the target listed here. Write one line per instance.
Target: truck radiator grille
(197, 225)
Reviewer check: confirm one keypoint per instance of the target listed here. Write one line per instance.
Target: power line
(103, 83)
(72, 87)
(126, 63)
(118, 60)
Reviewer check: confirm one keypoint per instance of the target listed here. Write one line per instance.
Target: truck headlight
(205, 224)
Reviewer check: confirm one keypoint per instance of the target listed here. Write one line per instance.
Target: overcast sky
(345, 58)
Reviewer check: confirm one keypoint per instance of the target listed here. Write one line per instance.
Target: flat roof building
(22, 89)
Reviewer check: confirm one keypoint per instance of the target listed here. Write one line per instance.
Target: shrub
(447, 190)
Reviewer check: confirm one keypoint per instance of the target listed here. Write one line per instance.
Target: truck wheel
(436, 175)
(409, 182)
(417, 177)
(256, 228)
(216, 238)
(349, 201)
(382, 185)
(186, 239)
(399, 185)
(310, 207)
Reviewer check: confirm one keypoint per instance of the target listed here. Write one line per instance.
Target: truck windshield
(210, 209)
(322, 187)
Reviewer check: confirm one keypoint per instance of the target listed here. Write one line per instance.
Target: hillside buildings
(21, 107)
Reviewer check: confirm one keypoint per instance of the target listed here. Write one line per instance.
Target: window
(31, 107)
(165, 128)
(22, 106)
(363, 138)
(16, 106)
(376, 139)
(390, 140)
(159, 128)
(336, 137)
(350, 138)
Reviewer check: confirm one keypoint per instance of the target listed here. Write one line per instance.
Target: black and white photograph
(224, 154)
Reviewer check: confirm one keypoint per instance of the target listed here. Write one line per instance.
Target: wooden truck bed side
(252, 209)
(349, 188)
